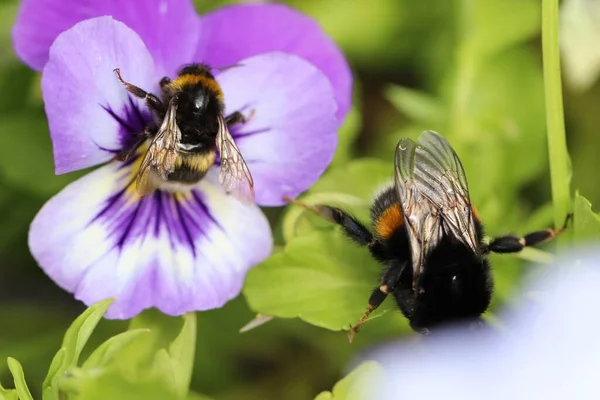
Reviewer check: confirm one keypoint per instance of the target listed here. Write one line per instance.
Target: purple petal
(177, 252)
(170, 29)
(91, 115)
(292, 135)
(244, 30)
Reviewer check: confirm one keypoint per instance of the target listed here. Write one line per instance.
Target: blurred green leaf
(360, 178)
(579, 32)
(586, 223)
(369, 34)
(355, 386)
(75, 338)
(347, 135)
(8, 11)
(483, 23)
(197, 396)
(16, 78)
(320, 277)
(17, 208)
(418, 106)
(26, 153)
(20, 385)
(498, 131)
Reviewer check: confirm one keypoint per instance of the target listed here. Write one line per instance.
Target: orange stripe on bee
(475, 213)
(194, 79)
(389, 221)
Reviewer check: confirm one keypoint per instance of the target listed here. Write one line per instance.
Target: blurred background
(469, 69)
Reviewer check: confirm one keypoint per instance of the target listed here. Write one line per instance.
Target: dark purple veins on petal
(201, 205)
(235, 133)
(184, 227)
(181, 219)
(132, 122)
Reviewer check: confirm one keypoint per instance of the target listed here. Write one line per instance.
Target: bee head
(197, 99)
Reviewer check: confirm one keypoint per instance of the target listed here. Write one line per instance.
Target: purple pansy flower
(190, 250)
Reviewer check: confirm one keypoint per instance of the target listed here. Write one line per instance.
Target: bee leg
(390, 279)
(238, 118)
(126, 154)
(514, 244)
(351, 226)
(151, 100)
(235, 118)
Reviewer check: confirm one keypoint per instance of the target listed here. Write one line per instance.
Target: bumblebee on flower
(185, 246)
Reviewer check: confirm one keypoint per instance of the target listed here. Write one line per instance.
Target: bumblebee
(429, 237)
(189, 128)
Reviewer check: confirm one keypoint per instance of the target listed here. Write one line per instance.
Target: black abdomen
(186, 174)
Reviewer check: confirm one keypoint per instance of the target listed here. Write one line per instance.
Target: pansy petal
(292, 134)
(239, 31)
(91, 115)
(177, 252)
(169, 28)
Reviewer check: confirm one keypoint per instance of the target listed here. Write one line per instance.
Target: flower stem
(557, 144)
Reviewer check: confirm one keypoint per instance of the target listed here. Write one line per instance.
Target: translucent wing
(234, 174)
(434, 195)
(161, 156)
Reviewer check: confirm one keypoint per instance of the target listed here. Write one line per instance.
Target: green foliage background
(469, 69)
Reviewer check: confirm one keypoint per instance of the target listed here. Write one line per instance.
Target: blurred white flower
(550, 349)
(579, 32)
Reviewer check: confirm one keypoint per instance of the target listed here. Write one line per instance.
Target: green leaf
(75, 338)
(20, 385)
(153, 360)
(49, 388)
(320, 277)
(555, 117)
(586, 223)
(80, 331)
(355, 386)
(107, 351)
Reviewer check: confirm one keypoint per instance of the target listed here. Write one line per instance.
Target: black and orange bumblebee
(430, 239)
(189, 128)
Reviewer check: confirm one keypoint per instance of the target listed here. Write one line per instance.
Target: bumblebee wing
(433, 191)
(144, 181)
(234, 174)
(161, 156)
